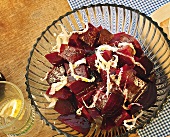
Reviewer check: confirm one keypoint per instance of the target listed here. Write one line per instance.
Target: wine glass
(17, 116)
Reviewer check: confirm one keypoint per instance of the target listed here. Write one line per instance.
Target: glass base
(31, 128)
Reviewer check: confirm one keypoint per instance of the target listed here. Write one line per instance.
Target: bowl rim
(134, 130)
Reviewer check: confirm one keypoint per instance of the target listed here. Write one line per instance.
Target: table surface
(21, 22)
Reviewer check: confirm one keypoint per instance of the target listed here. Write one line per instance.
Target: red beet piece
(110, 121)
(96, 116)
(89, 37)
(91, 61)
(128, 76)
(103, 74)
(152, 77)
(133, 84)
(104, 37)
(101, 85)
(78, 123)
(149, 97)
(147, 64)
(125, 55)
(64, 107)
(72, 54)
(68, 73)
(99, 28)
(48, 91)
(134, 107)
(101, 100)
(127, 50)
(107, 55)
(82, 70)
(86, 94)
(74, 41)
(53, 75)
(77, 86)
(107, 123)
(86, 114)
(114, 102)
(54, 58)
(94, 113)
(63, 93)
(63, 47)
(123, 37)
(120, 118)
(84, 111)
(117, 37)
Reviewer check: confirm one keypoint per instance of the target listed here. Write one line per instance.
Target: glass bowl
(115, 18)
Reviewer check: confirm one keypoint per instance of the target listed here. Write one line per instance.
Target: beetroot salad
(99, 77)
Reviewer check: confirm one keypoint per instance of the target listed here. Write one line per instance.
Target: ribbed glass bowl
(115, 18)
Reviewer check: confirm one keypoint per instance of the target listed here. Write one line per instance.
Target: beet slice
(107, 55)
(52, 76)
(123, 37)
(104, 37)
(103, 74)
(94, 113)
(134, 107)
(147, 64)
(101, 100)
(124, 60)
(75, 41)
(86, 91)
(96, 116)
(63, 93)
(107, 123)
(64, 107)
(82, 70)
(54, 58)
(86, 96)
(99, 28)
(72, 54)
(48, 91)
(90, 36)
(128, 76)
(84, 111)
(149, 97)
(91, 61)
(114, 102)
(77, 86)
(120, 118)
(63, 47)
(133, 84)
(78, 123)
(117, 37)
(127, 50)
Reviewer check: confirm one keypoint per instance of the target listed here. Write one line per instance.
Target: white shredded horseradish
(101, 63)
(133, 121)
(63, 37)
(77, 77)
(51, 100)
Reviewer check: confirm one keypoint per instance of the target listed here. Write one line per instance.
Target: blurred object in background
(2, 78)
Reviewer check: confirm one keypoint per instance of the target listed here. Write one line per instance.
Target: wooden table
(21, 22)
